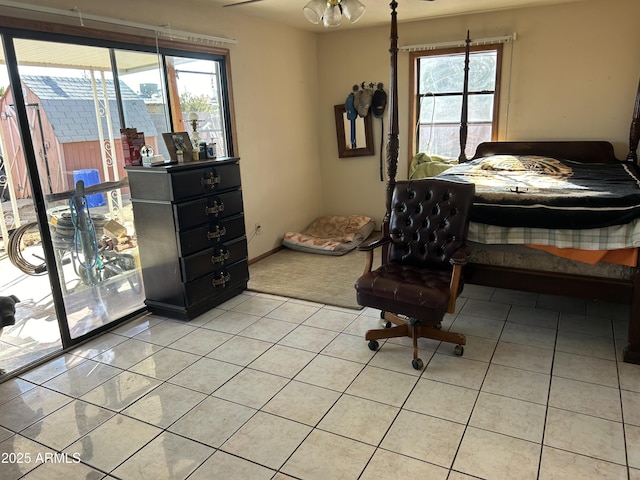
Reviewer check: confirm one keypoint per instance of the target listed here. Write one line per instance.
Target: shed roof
(69, 106)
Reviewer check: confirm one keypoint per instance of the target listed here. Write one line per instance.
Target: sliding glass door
(73, 121)
(63, 105)
(35, 333)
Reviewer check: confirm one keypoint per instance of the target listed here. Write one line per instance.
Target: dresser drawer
(217, 282)
(195, 183)
(204, 262)
(206, 209)
(183, 181)
(210, 234)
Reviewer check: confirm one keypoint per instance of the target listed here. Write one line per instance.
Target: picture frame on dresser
(178, 141)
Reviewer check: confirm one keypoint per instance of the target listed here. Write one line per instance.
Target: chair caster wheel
(417, 364)
(373, 345)
(458, 350)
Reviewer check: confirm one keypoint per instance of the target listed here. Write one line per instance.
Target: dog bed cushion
(331, 234)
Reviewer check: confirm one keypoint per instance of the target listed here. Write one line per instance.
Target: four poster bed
(576, 215)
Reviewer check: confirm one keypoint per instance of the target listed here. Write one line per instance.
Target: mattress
(544, 192)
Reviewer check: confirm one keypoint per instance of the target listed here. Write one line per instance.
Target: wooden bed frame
(582, 286)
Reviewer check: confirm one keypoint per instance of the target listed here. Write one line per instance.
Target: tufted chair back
(429, 219)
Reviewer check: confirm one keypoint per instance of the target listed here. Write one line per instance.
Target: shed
(63, 120)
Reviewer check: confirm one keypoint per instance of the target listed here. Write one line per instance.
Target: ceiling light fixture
(329, 12)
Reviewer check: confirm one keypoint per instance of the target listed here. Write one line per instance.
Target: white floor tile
(164, 364)
(113, 442)
(588, 398)
(586, 369)
(586, 435)
(311, 460)
(386, 465)
(212, 421)
(205, 375)
(30, 407)
(302, 402)
(560, 465)
(267, 439)
(67, 424)
(168, 457)
(330, 372)
(265, 387)
(427, 438)
(222, 465)
(251, 388)
(509, 416)
(397, 386)
(359, 419)
(442, 400)
(491, 455)
(456, 371)
(517, 383)
(164, 405)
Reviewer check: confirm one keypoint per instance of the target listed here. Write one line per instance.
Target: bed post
(634, 133)
(465, 101)
(631, 353)
(393, 140)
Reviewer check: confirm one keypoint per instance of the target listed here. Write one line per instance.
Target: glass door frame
(8, 35)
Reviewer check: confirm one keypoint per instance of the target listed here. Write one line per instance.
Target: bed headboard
(582, 151)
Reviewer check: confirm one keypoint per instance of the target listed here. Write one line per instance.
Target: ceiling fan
(244, 2)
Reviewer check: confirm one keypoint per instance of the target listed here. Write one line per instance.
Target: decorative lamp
(195, 136)
(329, 12)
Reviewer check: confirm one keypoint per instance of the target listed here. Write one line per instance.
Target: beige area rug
(307, 276)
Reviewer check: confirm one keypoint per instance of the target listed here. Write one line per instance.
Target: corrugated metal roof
(68, 104)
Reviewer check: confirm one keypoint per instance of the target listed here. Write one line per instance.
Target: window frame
(414, 58)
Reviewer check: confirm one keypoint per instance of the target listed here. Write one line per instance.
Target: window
(438, 78)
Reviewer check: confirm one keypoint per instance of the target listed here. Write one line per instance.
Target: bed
(548, 227)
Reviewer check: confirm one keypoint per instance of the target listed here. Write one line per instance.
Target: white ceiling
(377, 11)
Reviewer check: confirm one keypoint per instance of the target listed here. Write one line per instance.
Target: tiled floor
(272, 388)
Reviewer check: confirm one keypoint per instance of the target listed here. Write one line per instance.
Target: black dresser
(190, 227)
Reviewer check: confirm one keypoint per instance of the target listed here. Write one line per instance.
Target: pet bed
(331, 234)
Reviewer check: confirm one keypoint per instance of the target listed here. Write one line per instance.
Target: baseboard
(265, 255)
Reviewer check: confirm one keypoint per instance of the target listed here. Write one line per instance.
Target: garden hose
(15, 253)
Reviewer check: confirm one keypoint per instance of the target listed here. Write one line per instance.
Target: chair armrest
(368, 248)
(365, 247)
(461, 255)
(459, 259)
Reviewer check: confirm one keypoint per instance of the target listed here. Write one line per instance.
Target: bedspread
(543, 192)
(606, 238)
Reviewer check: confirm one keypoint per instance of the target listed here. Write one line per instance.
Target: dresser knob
(221, 281)
(211, 181)
(224, 255)
(217, 208)
(217, 234)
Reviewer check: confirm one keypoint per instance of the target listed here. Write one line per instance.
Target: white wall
(574, 75)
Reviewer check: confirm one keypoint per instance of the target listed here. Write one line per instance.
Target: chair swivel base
(414, 330)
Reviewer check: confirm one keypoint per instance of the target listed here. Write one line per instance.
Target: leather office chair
(421, 272)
